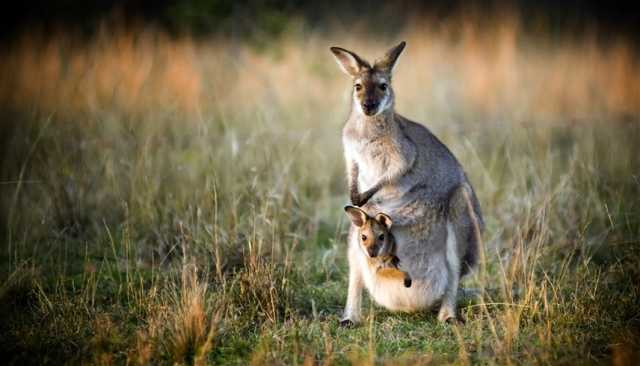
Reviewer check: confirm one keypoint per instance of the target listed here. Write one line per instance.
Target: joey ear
(348, 61)
(357, 216)
(388, 61)
(385, 220)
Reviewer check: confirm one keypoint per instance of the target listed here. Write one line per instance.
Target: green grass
(163, 236)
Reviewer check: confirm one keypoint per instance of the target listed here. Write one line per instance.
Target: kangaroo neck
(372, 127)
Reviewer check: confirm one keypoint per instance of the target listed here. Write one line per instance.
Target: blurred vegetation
(264, 20)
(176, 199)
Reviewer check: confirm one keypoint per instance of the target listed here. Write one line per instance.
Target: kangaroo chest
(378, 158)
(373, 161)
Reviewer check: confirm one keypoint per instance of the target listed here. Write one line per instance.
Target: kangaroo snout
(373, 251)
(370, 107)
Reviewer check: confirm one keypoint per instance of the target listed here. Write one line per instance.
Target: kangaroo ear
(384, 220)
(388, 61)
(348, 61)
(357, 216)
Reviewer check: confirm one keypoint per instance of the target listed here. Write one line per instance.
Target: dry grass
(190, 332)
(172, 201)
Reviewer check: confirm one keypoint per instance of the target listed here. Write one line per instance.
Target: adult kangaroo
(400, 168)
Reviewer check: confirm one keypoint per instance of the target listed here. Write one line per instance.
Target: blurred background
(143, 142)
(525, 60)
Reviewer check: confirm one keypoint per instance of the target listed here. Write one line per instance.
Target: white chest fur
(378, 159)
(370, 169)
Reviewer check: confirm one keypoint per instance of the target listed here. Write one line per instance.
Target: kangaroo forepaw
(355, 200)
(359, 200)
(362, 198)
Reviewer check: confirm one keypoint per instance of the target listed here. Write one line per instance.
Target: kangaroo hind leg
(464, 213)
(449, 301)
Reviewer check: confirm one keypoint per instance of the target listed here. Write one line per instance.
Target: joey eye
(358, 87)
(364, 237)
(381, 237)
(383, 86)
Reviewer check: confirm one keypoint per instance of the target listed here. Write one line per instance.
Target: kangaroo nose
(369, 106)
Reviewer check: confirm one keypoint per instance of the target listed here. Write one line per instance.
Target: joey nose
(372, 252)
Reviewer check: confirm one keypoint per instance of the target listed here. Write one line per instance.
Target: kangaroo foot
(447, 314)
(347, 323)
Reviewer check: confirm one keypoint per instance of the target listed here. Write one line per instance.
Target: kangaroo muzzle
(372, 251)
(370, 107)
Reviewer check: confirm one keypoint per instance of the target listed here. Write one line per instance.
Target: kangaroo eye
(364, 237)
(384, 86)
(358, 87)
(381, 237)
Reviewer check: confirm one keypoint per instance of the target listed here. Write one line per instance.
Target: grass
(192, 214)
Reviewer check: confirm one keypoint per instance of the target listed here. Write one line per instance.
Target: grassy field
(180, 201)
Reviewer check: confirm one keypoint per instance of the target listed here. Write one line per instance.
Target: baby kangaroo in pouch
(378, 243)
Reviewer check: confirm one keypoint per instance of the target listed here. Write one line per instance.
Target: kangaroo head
(372, 92)
(373, 233)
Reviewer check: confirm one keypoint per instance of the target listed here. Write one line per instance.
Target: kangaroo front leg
(448, 307)
(353, 183)
(364, 197)
(352, 309)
